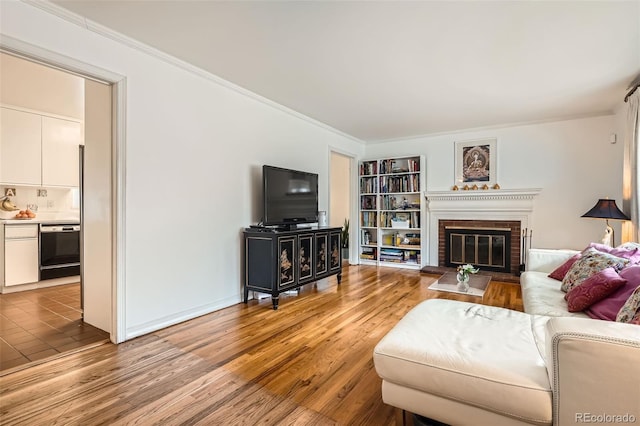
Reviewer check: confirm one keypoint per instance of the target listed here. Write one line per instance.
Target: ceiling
(387, 70)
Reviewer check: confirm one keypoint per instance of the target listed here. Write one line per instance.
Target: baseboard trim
(164, 322)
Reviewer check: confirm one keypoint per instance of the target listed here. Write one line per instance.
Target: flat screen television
(290, 197)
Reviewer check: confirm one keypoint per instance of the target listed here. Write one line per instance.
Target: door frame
(52, 59)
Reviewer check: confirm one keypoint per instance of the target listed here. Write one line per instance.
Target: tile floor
(36, 324)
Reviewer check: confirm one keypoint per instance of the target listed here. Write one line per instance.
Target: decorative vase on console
(463, 275)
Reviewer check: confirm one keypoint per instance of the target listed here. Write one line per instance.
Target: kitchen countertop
(37, 220)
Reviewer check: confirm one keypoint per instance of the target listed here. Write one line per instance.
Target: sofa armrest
(546, 260)
(593, 369)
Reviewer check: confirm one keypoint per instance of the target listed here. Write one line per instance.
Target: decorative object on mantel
(607, 209)
(496, 186)
(462, 276)
(476, 161)
(466, 187)
(474, 187)
(485, 186)
(455, 188)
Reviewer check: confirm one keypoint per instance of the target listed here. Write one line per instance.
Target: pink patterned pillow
(561, 271)
(626, 252)
(608, 308)
(593, 289)
(630, 311)
(590, 263)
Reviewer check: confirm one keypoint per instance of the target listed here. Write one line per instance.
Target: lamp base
(607, 239)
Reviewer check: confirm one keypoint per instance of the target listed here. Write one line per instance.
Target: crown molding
(97, 28)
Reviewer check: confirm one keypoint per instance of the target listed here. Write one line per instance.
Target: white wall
(198, 146)
(572, 161)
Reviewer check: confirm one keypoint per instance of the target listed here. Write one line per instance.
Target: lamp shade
(606, 209)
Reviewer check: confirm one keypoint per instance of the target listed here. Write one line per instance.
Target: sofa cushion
(561, 271)
(479, 355)
(630, 311)
(546, 260)
(541, 295)
(594, 289)
(608, 308)
(591, 262)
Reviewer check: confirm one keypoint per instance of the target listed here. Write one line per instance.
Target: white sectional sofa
(469, 364)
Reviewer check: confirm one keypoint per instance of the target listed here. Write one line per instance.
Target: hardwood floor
(310, 362)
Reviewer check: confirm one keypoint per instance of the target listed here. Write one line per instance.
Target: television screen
(290, 196)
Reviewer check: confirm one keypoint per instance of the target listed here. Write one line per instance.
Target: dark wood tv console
(277, 261)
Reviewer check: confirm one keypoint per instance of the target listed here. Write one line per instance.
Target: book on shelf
(399, 165)
(368, 168)
(406, 183)
(368, 253)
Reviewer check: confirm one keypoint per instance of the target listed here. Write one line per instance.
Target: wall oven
(59, 251)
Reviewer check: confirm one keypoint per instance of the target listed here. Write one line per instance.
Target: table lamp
(607, 209)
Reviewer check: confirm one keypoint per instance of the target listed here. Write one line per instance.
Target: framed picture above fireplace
(476, 162)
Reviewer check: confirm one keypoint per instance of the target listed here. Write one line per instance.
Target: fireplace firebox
(482, 243)
(487, 248)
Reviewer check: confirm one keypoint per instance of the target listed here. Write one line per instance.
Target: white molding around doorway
(52, 59)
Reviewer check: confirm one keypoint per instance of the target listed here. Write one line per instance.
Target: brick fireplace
(480, 210)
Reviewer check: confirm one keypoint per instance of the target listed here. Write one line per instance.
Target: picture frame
(476, 162)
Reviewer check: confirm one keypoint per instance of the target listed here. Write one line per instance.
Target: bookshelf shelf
(392, 213)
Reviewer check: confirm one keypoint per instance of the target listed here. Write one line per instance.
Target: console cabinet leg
(339, 278)
(246, 294)
(274, 300)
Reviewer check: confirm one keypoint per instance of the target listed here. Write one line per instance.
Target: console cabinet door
(321, 249)
(335, 261)
(60, 152)
(287, 248)
(305, 252)
(20, 147)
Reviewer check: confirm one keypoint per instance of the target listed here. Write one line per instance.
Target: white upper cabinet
(60, 153)
(20, 147)
(38, 150)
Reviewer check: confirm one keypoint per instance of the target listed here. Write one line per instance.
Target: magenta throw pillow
(561, 271)
(593, 289)
(627, 252)
(607, 309)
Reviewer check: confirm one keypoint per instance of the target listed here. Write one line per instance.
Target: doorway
(58, 309)
(340, 192)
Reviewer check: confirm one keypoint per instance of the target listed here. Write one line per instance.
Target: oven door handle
(46, 230)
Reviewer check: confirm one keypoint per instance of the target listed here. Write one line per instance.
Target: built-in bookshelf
(392, 211)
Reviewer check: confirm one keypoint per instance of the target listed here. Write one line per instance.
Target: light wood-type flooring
(308, 363)
(36, 324)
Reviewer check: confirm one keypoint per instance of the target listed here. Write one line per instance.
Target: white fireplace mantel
(478, 198)
(490, 204)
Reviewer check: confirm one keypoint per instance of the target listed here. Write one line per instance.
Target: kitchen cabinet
(20, 147)
(38, 150)
(21, 264)
(60, 141)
